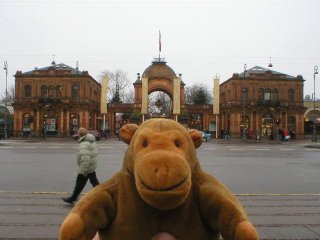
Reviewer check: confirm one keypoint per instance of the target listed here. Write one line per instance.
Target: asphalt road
(246, 168)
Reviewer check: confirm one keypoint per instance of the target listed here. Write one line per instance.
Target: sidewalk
(279, 217)
(305, 142)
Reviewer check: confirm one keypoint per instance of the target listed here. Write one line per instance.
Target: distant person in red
(286, 135)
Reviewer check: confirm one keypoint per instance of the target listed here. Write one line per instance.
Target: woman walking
(87, 163)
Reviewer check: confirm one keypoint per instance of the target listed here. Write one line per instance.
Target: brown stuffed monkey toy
(161, 193)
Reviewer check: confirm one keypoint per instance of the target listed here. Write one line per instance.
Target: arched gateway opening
(159, 77)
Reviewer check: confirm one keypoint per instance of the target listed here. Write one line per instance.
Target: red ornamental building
(55, 101)
(262, 101)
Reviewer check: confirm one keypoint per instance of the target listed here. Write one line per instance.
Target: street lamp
(244, 136)
(78, 118)
(6, 69)
(314, 133)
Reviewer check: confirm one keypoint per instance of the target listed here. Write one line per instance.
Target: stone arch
(160, 77)
(159, 86)
(307, 113)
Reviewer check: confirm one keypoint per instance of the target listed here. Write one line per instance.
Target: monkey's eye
(145, 143)
(177, 143)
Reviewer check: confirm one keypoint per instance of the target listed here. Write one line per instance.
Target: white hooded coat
(87, 155)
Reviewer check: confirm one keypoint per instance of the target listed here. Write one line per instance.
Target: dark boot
(80, 183)
(93, 179)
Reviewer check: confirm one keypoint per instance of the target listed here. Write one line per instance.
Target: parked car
(206, 136)
(95, 133)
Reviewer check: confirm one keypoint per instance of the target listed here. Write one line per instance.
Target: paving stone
(39, 215)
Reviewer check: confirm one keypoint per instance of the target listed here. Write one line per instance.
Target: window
(290, 95)
(274, 95)
(75, 90)
(58, 91)
(244, 96)
(291, 123)
(222, 97)
(260, 94)
(27, 91)
(267, 95)
(44, 91)
(51, 91)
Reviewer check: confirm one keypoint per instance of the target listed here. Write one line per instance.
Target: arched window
(274, 95)
(244, 96)
(51, 91)
(290, 95)
(291, 123)
(27, 91)
(44, 91)
(260, 94)
(267, 95)
(58, 91)
(75, 91)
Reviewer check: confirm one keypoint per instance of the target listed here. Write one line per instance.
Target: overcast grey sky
(200, 38)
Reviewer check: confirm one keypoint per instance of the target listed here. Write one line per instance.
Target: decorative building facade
(262, 101)
(55, 101)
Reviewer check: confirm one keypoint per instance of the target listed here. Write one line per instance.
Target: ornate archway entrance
(160, 77)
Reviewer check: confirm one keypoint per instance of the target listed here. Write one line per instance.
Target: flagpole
(159, 44)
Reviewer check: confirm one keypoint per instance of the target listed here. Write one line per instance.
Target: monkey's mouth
(164, 188)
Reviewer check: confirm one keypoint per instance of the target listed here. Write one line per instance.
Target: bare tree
(10, 95)
(197, 93)
(160, 103)
(119, 86)
(129, 96)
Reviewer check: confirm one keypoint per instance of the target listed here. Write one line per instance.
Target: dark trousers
(81, 183)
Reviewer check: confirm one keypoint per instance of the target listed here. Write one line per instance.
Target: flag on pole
(159, 41)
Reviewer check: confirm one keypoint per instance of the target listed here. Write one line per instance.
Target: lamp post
(244, 136)
(78, 118)
(314, 133)
(6, 69)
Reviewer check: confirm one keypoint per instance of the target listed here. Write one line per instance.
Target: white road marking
(210, 149)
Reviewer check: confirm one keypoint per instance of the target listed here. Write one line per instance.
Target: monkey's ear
(196, 137)
(127, 131)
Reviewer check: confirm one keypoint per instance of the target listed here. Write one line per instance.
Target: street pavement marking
(277, 194)
(262, 149)
(236, 149)
(54, 147)
(5, 147)
(210, 149)
(29, 147)
(287, 149)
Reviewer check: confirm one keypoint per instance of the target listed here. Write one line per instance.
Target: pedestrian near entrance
(227, 135)
(87, 156)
